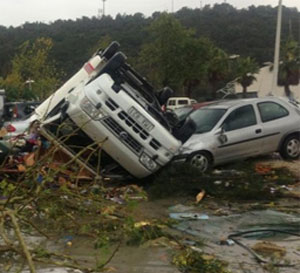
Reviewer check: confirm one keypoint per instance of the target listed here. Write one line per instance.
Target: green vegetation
(240, 181)
(189, 50)
(192, 261)
(33, 75)
(289, 69)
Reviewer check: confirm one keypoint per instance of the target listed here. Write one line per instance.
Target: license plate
(140, 119)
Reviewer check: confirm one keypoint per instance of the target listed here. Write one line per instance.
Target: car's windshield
(183, 112)
(206, 118)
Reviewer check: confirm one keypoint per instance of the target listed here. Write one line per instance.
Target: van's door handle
(258, 131)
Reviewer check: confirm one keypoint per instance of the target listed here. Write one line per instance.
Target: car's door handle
(258, 131)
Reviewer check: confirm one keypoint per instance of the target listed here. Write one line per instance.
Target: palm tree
(245, 70)
(289, 68)
(218, 68)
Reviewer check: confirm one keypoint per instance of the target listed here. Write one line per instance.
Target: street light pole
(277, 49)
(30, 82)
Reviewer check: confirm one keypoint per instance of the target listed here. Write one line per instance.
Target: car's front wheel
(201, 160)
(290, 149)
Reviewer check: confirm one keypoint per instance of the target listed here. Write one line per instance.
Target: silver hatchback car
(231, 130)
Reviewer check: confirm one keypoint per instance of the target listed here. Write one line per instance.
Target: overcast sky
(17, 12)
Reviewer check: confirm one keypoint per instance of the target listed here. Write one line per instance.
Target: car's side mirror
(221, 135)
(219, 131)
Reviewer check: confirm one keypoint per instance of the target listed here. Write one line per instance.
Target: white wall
(263, 85)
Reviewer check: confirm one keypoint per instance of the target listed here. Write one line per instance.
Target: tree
(245, 69)
(218, 68)
(32, 65)
(162, 56)
(195, 60)
(289, 68)
(174, 56)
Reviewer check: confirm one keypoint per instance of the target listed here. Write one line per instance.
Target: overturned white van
(110, 118)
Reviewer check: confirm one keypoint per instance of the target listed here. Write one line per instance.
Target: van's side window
(183, 102)
(171, 102)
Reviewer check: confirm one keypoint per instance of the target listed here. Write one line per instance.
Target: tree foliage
(33, 75)
(289, 69)
(204, 39)
(245, 70)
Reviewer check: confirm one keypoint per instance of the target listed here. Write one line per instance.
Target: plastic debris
(227, 242)
(200, 196)
(189, 215)
(262, 169)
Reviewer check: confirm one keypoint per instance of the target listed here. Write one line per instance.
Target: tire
(114, 62)
(201, 160)
(110, 50)
(290, 149)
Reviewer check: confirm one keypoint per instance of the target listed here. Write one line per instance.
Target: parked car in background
(183, 112)
(236, 129)
(177, 102)
(18, 110)
(16, 127)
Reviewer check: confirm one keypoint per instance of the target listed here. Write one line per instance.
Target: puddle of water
(215, 227)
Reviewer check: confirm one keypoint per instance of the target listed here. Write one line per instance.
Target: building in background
(263, 85)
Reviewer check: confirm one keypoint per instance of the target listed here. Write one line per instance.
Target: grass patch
(192, 261)
(242, 181)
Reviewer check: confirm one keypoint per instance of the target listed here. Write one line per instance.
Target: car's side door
(241, 135)
(276, 121)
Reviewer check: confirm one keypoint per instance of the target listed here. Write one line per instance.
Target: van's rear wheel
(290, 148)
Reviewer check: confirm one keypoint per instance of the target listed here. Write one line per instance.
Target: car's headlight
(148, 162)
(90, 109)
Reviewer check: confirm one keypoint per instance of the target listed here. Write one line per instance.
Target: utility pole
(172, 7)
(103, 11)
(277, 48)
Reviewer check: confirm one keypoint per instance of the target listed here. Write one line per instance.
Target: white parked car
(16, 128)
(237, 129)
(178, 102)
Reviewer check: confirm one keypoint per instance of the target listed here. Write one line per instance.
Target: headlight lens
(92, 111)
(148, 162)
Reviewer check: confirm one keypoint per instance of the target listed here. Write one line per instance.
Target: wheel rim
(293, 147)
(200, 162)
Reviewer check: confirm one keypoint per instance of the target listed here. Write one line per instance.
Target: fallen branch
(21, 241)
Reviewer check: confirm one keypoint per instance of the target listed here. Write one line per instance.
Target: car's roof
(180, 98)
(226, 104)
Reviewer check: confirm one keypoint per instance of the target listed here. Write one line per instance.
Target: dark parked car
(18, 110)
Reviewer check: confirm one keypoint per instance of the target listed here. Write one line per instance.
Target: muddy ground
(258, 194)
(222, 217)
